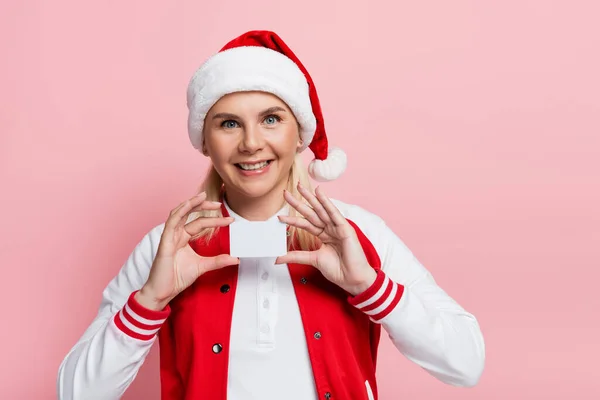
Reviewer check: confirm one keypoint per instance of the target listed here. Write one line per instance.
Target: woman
(304, 325)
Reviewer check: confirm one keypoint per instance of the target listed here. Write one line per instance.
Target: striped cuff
(139, 322)
(380, 299)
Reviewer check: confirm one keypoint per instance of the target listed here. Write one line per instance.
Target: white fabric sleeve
(106, 359)
(422, 320)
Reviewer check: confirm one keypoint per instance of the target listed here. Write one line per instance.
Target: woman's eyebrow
(225, 116)
(268, 111)
(272, 110)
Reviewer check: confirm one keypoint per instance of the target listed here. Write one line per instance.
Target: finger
(201, 223)
(181, 211)
(298, 257)
(304, 210)
(193, 202)
(204, 206)
(336, 216)
(314, 202)
(220, 261)
(301, 223)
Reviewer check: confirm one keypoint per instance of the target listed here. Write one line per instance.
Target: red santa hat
(261, 61)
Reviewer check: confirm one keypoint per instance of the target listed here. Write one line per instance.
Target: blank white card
(258, 238)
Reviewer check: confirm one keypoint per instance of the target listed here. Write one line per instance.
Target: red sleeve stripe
(376, 291)
(380, 299)
(392, 302)
(138, 321)
(135, 333)
(144, 326)
(144, 315)
(388, 286)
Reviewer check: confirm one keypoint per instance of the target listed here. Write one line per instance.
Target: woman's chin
(254, 190)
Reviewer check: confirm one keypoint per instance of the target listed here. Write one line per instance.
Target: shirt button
(327, 395)
(265, 276)
(317, 335)
(266, 303)
(225, 288)
(217, 348)
(265, 329)
(303, 280)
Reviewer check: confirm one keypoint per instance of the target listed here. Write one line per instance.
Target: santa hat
(261, 61)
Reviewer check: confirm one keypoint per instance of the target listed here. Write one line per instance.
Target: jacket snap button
(327, 395)
(303, 280)
(225, 288)
(217, 348)
(317, 335)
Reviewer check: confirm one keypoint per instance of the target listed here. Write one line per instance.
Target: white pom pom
(331, 168)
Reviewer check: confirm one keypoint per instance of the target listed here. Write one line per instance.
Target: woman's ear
(204, 150)
(300, 143)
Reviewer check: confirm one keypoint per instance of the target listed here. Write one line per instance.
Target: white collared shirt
(268, 356)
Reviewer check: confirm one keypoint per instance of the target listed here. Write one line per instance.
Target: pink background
(472, 127)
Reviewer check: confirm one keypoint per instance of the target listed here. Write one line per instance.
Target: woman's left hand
(341, 258)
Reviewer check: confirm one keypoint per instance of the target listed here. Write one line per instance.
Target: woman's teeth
(252, 167)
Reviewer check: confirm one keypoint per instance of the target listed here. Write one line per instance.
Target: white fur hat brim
(249, 68)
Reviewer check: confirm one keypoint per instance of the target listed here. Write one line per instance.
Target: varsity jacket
(342, 332)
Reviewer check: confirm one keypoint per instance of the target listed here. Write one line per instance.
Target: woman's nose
(252, 140)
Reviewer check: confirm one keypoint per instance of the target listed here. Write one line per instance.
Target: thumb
(298, 257)
(217, 262)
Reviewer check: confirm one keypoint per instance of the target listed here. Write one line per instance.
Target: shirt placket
(266, 303)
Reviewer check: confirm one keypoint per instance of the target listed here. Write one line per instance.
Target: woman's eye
(229, 124)
(271, 119)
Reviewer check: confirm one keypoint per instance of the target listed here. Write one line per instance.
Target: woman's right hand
(176, 265)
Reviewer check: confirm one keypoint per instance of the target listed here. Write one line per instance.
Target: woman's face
(252, 139)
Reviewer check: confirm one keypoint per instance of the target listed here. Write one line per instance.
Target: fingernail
(218, 203)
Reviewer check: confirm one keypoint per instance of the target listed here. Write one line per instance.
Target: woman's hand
(341, 258)
(176, 265)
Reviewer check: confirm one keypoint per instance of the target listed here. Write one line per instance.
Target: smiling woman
(302, 326)
(258, 134)
(252, 139)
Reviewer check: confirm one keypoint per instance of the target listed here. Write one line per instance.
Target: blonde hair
(213, 186)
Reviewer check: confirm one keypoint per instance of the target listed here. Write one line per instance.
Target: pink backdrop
(472, 127)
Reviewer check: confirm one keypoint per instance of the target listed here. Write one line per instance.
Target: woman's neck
(255, 208)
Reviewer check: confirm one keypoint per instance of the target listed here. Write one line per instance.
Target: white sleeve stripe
(386, 303)
(377, 295)
(142, 319)
(134, 328)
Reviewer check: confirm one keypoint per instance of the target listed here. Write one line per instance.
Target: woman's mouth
(253, 166)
